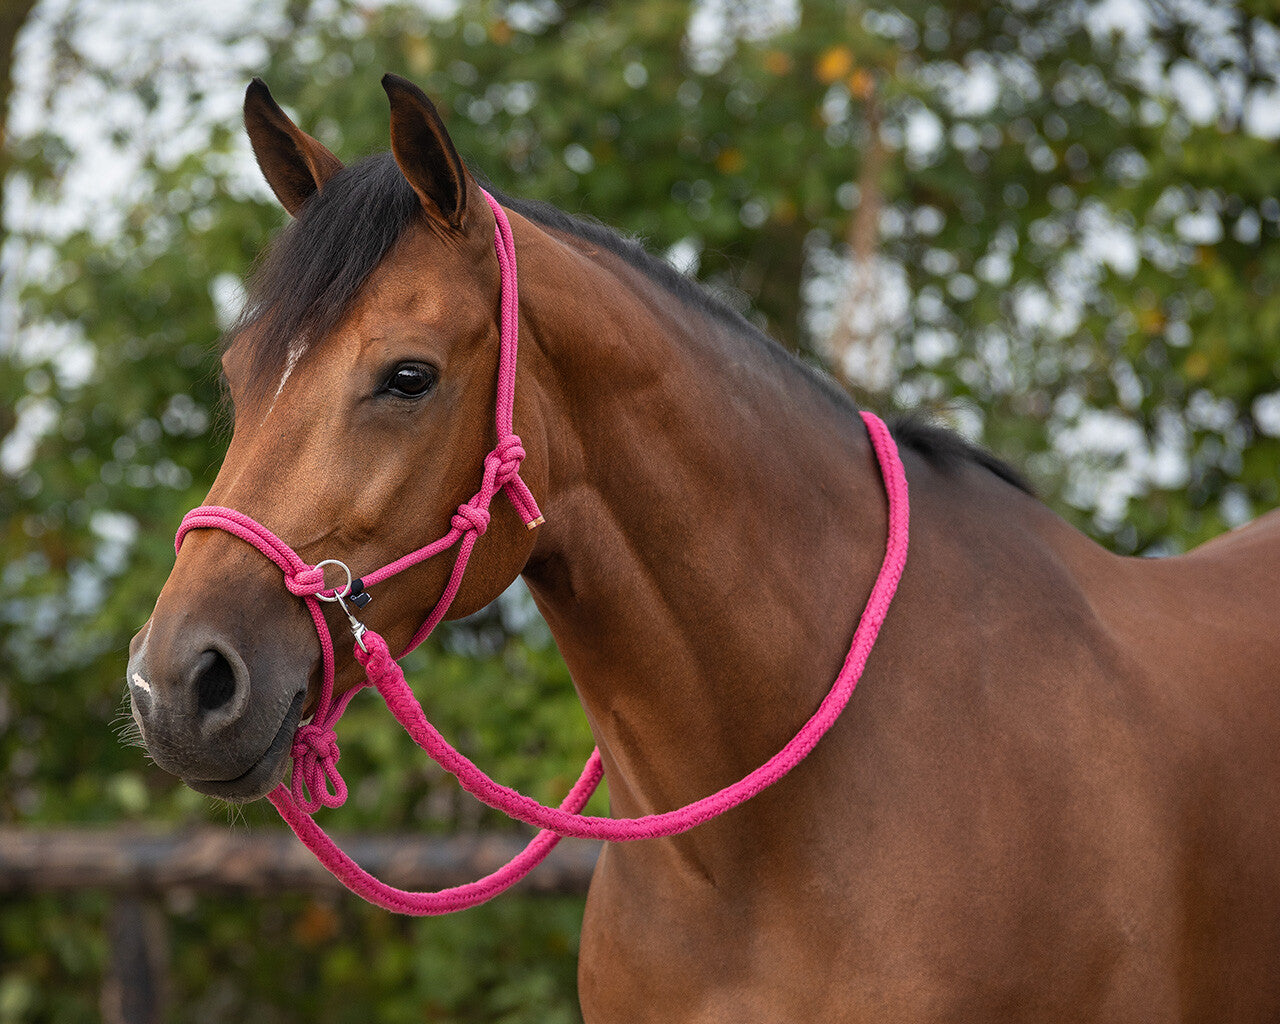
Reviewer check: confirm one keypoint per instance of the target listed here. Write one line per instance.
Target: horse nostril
(215, 680)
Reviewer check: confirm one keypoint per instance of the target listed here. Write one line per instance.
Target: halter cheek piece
(315, 780)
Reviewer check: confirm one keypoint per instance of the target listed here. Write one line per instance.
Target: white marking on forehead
(140, 683)
(295, 353)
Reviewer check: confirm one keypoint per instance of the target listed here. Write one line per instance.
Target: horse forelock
(308, 278)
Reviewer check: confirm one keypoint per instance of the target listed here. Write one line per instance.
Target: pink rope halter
(315, 780)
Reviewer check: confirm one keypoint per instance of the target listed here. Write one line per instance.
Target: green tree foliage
(1067, 247)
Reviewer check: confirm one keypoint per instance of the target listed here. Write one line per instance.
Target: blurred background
(1053, 225)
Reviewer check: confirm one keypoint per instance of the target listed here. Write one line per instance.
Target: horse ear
(424, 151)
(295, 165)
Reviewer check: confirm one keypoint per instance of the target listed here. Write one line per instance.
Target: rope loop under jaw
(316, 780)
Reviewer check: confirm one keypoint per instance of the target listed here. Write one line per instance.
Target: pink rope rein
(316, 781)
(386, 675)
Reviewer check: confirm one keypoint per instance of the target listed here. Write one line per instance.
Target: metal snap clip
(358, 628)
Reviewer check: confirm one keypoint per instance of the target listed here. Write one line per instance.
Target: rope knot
(306, 582)
(316, 742)
(316, 782)
(471, 517)
(506, 457)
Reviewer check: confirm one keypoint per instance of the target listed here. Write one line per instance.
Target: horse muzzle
(206, 717)
(216, 686)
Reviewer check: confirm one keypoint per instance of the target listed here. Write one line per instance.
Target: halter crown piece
(315, 781)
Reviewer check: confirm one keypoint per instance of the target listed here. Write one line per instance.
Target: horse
(1053, 794)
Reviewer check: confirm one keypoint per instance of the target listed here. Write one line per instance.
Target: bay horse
(1055, 794)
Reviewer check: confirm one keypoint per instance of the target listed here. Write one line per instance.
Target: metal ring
(346, 588)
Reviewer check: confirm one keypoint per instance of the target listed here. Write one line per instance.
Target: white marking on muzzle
(140, 683)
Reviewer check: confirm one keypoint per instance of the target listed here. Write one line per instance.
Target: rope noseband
(316, 782)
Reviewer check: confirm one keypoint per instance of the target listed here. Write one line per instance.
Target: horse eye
(410, 380)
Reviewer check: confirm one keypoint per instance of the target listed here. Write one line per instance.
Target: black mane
(947, 450)
(319, 262)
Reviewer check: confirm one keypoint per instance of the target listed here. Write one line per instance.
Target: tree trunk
(13, 15)
(858, 354)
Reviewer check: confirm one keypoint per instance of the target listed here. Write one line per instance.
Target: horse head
(362, 374)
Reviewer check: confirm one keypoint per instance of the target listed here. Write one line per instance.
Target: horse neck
(715, 522)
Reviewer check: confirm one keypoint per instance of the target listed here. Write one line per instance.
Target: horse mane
(946, 450)
(941, 447)
(311, 273)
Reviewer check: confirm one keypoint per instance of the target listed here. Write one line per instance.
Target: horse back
(1202, 633)
(1216, 611)
(1253, 547)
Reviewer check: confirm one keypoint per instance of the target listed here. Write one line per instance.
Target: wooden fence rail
(212, 859)
(139, 866)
